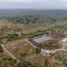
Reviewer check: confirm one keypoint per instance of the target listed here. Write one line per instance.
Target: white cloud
(23, 1)
(45, 4)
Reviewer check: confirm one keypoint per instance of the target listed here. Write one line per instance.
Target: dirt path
(43, 51)
(12, 56)
(30, 43)
(48, 52)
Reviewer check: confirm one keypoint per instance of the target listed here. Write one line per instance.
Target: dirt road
(12, 56)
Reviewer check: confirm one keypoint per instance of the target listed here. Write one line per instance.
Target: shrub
(38, 50)
(1, 49)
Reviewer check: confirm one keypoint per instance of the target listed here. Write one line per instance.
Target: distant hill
(22, 12)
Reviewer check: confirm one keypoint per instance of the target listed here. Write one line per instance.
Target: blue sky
(34, 4)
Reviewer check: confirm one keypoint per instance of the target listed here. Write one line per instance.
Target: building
(42, 39)
(64, 40)
(65, 33)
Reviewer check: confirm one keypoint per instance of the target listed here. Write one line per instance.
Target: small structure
(47, 53)
(64, 40)
(65, 33)
(42, 39)
(19, 33)
(64, 44)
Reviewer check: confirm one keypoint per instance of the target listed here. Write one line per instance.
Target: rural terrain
(33, 38)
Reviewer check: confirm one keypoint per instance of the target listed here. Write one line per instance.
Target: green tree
(38, 50)
(1, 49)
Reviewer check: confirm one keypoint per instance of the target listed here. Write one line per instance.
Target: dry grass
(24, 51)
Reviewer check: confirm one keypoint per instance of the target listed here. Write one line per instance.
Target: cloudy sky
(34, 4)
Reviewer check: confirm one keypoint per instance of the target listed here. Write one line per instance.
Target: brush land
(17, 27)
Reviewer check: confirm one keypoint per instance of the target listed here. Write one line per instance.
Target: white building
(42, 39)
(64, 40)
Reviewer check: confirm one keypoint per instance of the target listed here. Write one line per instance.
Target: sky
(33, 4)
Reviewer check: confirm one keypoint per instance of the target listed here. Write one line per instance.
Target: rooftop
(42, 39)
(64, 40)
